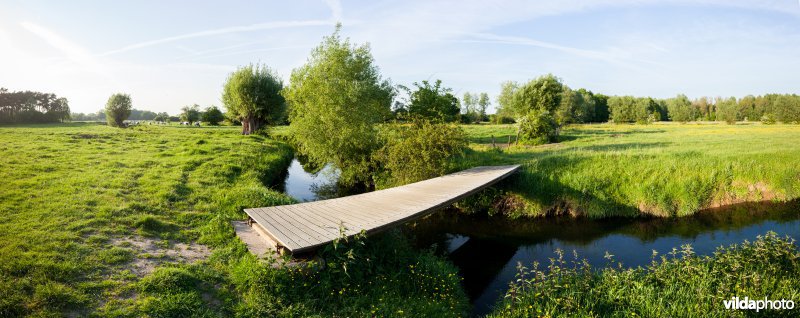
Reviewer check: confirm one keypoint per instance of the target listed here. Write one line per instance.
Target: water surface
(487, 249)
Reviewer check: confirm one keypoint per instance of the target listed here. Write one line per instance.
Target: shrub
(768, 119)
(501, 119)
(538, 127)
(419, 150)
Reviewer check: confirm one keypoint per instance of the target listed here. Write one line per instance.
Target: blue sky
(167, 54)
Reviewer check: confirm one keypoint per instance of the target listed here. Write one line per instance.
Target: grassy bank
(99, 221)
(680, 284)
(664, 169)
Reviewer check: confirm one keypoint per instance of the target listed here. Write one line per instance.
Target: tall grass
(680, 284)
(663, 169)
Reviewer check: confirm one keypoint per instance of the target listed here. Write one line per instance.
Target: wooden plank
(311, 222)
(289, 225)
(283, 239)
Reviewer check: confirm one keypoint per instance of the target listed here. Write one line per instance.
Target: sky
(168, 54)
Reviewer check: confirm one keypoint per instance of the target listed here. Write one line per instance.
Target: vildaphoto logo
(736, 303)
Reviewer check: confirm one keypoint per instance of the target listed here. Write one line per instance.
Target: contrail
(234, 29)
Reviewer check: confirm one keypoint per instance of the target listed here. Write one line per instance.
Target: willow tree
(252, 96)
(335, 101)
(118, 108)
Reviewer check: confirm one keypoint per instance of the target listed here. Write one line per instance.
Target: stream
(487, 250)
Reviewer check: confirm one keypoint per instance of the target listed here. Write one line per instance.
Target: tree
(704, 108)
(469, 105)
(622, 109)
(190, 113)
(483, 104)
(628, 109)
(566, 112)
(433, 102)
(680, 109)
(252, 95)
(505, 99)
(727, 109)
(336, 101)
(601, 113)
(577, 106)
(543, 94)
(32, 107)
(118, 108)
(747, 108)
(646, 111)
(787, 108)
(534, 104)
(164, 117)
(213, 115)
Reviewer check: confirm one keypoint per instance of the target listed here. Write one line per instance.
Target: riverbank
(101, 221)
(663, 169)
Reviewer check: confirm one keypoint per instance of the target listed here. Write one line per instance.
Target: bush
(538, 127)
(501, 119)
(418, 151)
(768, 119)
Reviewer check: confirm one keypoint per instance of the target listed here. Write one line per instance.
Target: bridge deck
(305, 226)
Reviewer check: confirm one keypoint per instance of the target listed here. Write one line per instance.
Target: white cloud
(220, 31)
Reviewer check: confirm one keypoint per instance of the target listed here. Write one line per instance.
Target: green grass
(72, 192)
(663, 169)
(680, 284)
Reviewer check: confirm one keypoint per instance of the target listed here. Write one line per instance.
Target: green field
(101, 221)
(664, 169)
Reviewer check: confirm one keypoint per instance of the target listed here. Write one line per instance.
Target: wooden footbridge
(303, 227)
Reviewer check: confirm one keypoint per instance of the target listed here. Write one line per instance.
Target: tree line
(192, 113)
(32, 107)
(768, 109)
(568, 106)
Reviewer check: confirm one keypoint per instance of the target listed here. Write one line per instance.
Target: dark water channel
(487, 249)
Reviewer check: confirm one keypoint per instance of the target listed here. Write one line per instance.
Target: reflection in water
(305, 182)
(488, 249)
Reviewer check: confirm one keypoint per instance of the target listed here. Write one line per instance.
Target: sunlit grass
(71, 192)
(663, 169)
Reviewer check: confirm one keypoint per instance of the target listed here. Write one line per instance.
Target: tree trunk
(245, 126)
(253, 125)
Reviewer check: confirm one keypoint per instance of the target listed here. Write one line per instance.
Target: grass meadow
(108, 222)
(663, 169)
